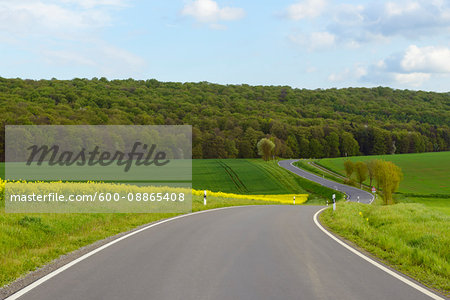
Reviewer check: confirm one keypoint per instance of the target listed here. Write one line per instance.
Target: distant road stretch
(351, 192)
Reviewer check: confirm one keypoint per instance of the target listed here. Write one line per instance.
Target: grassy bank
(412, 237)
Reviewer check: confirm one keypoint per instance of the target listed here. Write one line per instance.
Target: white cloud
(305, 9)
(61, 57)
(412, 79)
(348, 74)
(395, 8)
(94, 3)
(427, 59)
(376, 21)
(412, 67)
(39, 17)
(208, 11)
(314, 40)
(64, 33)
(100, 57)
(341, 76)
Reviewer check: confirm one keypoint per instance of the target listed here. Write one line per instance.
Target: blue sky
(305, 44)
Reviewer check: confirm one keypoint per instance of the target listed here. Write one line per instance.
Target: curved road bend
(351, 192)
(250, 252)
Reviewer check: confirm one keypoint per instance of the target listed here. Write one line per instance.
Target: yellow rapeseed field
(95, 186)
(283, 198)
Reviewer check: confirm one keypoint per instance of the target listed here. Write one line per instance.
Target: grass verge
(412, 237)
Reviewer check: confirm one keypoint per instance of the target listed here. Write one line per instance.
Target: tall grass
(412, 237)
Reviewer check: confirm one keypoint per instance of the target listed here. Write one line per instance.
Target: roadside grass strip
(411, 237)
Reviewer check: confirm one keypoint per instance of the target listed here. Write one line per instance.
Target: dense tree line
(229, 120)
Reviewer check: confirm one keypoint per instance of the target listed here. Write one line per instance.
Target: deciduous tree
(265, 148)
(349, 168)
(360, 172)
(389, 176)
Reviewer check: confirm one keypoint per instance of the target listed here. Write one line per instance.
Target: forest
(229, 120)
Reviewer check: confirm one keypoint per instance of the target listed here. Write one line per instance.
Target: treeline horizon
(229, 120)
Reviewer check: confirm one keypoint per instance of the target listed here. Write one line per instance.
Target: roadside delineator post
(357, 198)
(204, 198)
(294, 200)
(334, 201)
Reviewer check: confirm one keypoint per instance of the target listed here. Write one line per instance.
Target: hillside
(228, 120)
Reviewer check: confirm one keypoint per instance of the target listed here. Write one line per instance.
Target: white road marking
(376, 264)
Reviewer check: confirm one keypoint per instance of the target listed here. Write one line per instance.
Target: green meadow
(254, 176)
(243, 176)
(424, 173)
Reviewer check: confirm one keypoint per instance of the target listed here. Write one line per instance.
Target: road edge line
(52, 274)
(373, 262)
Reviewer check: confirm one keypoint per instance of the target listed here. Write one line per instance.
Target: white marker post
(204, 198)
(357, 198)
(294, 200)
(334, 201)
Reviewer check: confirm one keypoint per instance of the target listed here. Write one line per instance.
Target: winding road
(248, 252)
(353, 194)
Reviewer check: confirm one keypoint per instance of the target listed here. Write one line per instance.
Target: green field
(438, 204)
(424, 173)
(252, 177)
(243, 176)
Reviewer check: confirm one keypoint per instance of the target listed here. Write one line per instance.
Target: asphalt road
(253, 252)
(258, 252)
(353, 194)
